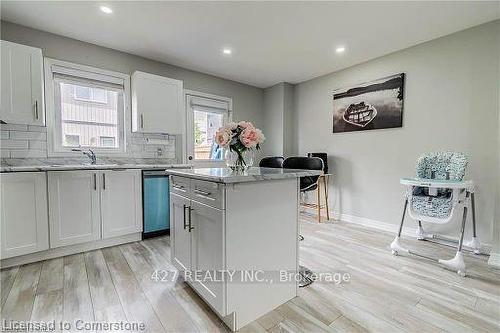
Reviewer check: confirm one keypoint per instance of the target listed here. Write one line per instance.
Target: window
(86, 108)
(72, 140)
(206, 114)
(94, 95)
(108, 141)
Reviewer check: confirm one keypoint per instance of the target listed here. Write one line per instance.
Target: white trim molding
(217, 103)
(370, 223)
(70, 249)
(409, 232)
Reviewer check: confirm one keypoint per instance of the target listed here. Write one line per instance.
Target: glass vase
(239, 160)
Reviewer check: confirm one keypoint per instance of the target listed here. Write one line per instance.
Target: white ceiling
(272, 41)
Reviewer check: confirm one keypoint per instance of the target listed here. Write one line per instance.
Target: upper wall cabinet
(21, 84)
(157, 104)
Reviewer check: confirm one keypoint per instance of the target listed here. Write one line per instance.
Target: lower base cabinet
(69, 208)
(121, 202)
(178, 219)
(207, 252)
(89, 205)
(74, 210)
(24, 225)
(234, 241)
(198, 245)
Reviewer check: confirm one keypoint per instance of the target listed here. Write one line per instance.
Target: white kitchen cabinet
(198, 244)
(179, 215)
(157, 104)
(89, 205)
(121, 202)
(207, 251)
(24, 224)
(21, 84)
(74, 210)
(234, 239)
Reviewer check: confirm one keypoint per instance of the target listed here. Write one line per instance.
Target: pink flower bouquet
(239, 138)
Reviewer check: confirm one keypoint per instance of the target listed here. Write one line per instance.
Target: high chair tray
(437, 183)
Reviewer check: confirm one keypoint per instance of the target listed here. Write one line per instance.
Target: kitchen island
(235, 237)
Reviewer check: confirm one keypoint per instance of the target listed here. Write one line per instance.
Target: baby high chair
(437, 192)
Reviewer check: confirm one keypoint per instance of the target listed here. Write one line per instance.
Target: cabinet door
(181, 236)
(207, 252)
(157, 104)
(22, 84)
(121, 202)
(24, 224)
(73, 207)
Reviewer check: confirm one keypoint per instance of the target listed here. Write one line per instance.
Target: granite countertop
(68, 167)
(227, 176)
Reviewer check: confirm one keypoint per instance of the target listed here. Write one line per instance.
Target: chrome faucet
(90, 154)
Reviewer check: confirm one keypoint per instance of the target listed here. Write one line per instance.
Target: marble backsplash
(22, 145)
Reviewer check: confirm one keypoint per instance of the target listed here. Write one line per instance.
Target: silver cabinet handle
(142, 120)
(103, 181)
(36, 109)
(197, 191)
(95, 182)
(190, 225)
(184, 215)
(179, 187)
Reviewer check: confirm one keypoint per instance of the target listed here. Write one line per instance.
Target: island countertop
(253, 174)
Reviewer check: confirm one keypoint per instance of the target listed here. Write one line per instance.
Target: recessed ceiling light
(340, 49)
(227, 51)
(106, 10)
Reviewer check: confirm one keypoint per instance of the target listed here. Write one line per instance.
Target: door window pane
(205, 125)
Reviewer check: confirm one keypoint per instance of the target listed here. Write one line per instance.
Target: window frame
(54, 133)
(188, 149)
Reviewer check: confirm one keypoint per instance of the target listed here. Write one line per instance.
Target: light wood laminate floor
(384, 294)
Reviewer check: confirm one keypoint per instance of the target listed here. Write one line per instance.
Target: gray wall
(496, 229)
(273, 120)
(247, 100)
(451, 102)
(289, 121)
(279, 120)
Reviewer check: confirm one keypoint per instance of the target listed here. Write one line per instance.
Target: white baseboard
(494, 259)
(408, 231)
(364, 221)
(68, 250)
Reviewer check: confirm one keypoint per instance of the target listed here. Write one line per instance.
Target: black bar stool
(309, 183)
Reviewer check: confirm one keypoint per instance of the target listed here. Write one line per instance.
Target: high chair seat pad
(437, 207)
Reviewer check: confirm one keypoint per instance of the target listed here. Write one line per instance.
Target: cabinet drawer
(180, 186)
(209, 193)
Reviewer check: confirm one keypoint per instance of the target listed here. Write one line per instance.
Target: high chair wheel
(461, 273)
(394, 252)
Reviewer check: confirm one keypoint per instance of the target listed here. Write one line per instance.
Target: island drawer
(180, 186)
(208, 193)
